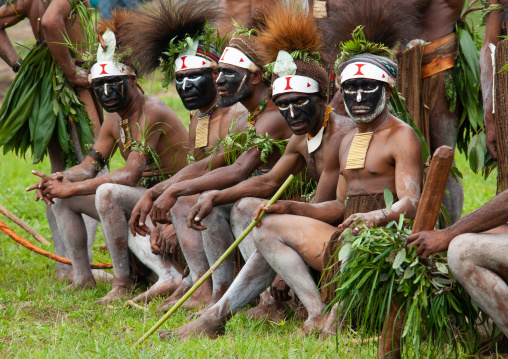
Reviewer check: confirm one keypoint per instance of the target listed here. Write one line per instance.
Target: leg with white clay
(217, 238)
(289, 243)
(191, 245)
(68, 213)
(252, 280)
(241, 216)
(480, 264)
(169, 279)
(114, 204)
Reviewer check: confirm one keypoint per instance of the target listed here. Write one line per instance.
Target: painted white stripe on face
(106, 89)
(291, 111)
(218, 77)
(241, 84)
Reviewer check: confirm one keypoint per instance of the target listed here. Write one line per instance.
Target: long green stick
(217, 264)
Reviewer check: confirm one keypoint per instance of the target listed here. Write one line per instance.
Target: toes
(165, 334)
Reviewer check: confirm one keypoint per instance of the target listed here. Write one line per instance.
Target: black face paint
(196, 88)
(112, 92)
(364, 99)
(300, 111)
(233, 85)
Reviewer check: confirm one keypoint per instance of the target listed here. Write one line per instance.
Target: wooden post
(23, 225)
(426, 217)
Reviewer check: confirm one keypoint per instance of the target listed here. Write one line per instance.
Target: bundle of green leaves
(376, 268)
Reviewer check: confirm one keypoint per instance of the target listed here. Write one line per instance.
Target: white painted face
(186, 82)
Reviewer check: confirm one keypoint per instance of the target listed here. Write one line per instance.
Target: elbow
(50, 23)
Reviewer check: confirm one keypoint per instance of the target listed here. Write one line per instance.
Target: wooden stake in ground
(426, 217)
(217, 264)
(23, 225)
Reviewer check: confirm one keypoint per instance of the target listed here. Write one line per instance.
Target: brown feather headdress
(118, 23)
(291, 29)
(386, 22)
(162, 28)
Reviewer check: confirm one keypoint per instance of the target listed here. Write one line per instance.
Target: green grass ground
(40, 320)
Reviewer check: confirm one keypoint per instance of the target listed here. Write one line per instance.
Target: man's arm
(491, 215)
(222, 177)
(258, 186)
(492, 33)
(53, 24)
(10, 15)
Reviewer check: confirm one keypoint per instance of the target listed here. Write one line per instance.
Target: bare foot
(173, 298)
(331, 324)
(207, 325)
(200, 298)
(273, 312)
(199, 313)
(117, 293)
(89, 284)
(63, 273)
(159, 289)
(102, 276)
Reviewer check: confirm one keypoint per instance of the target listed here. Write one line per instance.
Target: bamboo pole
(23, 225)
(235, 244)
(4, 228)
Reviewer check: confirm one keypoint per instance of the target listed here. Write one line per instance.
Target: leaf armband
(99, 161)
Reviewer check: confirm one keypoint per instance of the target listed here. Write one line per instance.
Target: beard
(381, 105)
(242, 93)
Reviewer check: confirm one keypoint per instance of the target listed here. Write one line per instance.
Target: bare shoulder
(401, 132)
(157, 110)
(341, 125)
(235, 111)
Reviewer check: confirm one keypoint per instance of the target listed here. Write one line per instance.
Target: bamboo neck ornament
(251, 119)
(319, 9)
(125, 128)
(359, 147)
(202, 128)
(313, 143)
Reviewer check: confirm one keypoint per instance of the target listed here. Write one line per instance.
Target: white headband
(189, 62)
(365, 70)
(235, 57)
(110, 68)
(295, 83)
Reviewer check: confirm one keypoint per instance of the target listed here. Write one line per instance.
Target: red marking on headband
(241, 60)
(183, 62)
(359, 70)
(308, 84)
(103, 69)
(224, 54)
(288, 86)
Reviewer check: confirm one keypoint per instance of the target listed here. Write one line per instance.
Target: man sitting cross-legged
(150, 137)
(195, 72)
(240, 80)
(296, 234)
(317, 135)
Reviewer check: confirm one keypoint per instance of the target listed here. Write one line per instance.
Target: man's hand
(491, 144)
(279, 207)
(161, 207)
(137, 223)
(79, 79)
(430, 242)
(44, 183)
(200, 211)
(370, 219)
(279, 289)
(164, 240)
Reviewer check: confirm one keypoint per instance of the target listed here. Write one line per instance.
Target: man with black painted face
(317, 135)
(154, 144)
(240, 79)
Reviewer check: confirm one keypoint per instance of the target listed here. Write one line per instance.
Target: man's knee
(246, 205)
(60, 206)
(104, 196)
(460, 252)
(265, 233)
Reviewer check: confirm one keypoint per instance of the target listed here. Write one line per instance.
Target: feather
(286, 28)
(386, 22)
(118, 23)
(157, 23)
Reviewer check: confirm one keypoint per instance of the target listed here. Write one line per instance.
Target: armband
(99, 161)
